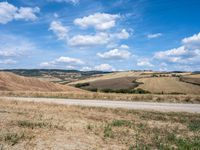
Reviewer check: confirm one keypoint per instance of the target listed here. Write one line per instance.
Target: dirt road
(164, 107)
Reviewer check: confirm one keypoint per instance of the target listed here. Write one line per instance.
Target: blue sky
(160, 35)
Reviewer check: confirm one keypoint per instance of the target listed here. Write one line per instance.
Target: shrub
(125, 91)
(108, 131)
(119, 123)
(13, 138)
(79, 85)
(28, 124)
(92, 89)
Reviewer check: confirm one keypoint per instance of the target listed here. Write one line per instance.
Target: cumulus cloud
(193, 41)
(66, 1)
(9, 12)
(144, 63)
(123, 46)
(59, 29)
(86, 68)
(14, 46)
(104, 67)
(189, 52)
(100, 38)
(152, 36)
(100, 21)
(121, 35)
(115, 54)
(89, 40)
(64, 62)
(8, 62)
(69, 60)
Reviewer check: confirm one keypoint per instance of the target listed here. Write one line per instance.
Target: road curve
(150, 106)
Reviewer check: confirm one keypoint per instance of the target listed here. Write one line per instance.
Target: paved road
(164, 107)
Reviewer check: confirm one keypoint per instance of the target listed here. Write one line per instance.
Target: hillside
(108, 76)
(168, 85)
(56, 75)
(12, 82)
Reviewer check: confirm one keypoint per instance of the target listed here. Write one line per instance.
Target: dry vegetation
(117, 83)
(193, 79)
(168, 85)
(26, 125)
(114, 75)
(174, 98)
(13, 82)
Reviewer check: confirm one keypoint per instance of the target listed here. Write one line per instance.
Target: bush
(79, 85)
(125, 91)
(93, 89)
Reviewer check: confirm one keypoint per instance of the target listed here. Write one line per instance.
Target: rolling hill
(168, 85)
(12, 82)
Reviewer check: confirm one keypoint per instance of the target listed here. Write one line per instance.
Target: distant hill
(56, 75)
(12, 82)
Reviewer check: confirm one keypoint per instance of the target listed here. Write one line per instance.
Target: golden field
(26, 125)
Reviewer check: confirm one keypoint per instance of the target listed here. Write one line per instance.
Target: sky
(105, 35)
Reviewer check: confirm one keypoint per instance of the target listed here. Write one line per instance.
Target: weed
(194, 125)
(28, 124)
(108, 131)
(13, 138)
(89, 127)
(119, 123)
(141, 126)
(131, 147)
(193, 143)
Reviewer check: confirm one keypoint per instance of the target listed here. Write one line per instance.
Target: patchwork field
(116, 83)
(193, 79)
(168, 85)
(41, 126)
(114, 75)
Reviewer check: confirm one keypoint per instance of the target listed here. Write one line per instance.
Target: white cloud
(192, 42)
(9, 12)
(169, 53)
(14, 46)
(121, 35)
(115, 54)
(124, 46)
(69, 60)
(47, 64)
(144, 63)
(100, 21)
(70, 67)
(89, 40)
(188, 53)
(178, 55)
(66, 1)
(86, 69)
(100, 38)
(152, 36)
(104, 67)
(27, 13)
(63, 62)
(8, 61)
(59, 29)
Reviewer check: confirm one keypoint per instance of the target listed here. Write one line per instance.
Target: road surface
(151, 106)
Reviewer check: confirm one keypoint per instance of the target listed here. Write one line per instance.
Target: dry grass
(168, 85)
(117, 83)
(26, 125)
(110, 76)
(193, 76)
(13, 82)
(107, 96)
